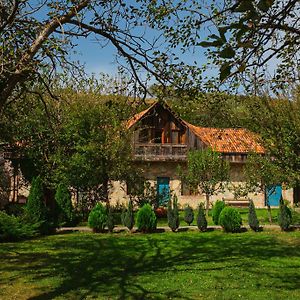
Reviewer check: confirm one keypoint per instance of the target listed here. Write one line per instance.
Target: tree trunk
(269, 213)
(207, 204)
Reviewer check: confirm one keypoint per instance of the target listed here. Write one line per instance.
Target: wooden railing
(160, 152)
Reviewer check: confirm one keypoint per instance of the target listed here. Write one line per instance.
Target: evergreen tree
(173, 214)
(201, 218)
(284, 216)
(65, 208)
(128, 217)
(36, 211)
(252, 217)
(188, 215)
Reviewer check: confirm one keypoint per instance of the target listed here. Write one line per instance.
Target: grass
(185, 265)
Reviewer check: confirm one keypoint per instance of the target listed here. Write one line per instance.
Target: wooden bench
(237, 203)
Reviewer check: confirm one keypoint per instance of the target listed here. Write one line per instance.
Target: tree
(36, 38)
(128, 216)
(201, 219)
(241, 37)
(66, 214)
(261, 171)
(36, 211)
(252, 217)
(188, 215)
(207, 172)
(173, 214)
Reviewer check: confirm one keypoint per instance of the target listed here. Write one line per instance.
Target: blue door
(273, 195)
(163, 190)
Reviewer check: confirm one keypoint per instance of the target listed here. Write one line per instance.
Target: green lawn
(185, 265)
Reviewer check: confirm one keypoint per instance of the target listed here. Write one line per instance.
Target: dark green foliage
(146, 219)
(188, 215)
(110, 220)
(66, 216)
(98, 218)
(36, 211)
(201, 218)
(252, 217)
(173, 214)
(15, 209)
(284, 216)
(128, 216)
(230, 219)
(216, 210)
(14, 228)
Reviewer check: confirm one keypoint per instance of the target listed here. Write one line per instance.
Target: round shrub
(230, 219)
(146, 219)
(97, 218)
(216, 210)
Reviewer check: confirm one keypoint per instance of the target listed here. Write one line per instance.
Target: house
(161, 141)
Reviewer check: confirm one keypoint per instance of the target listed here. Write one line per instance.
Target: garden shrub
(98, 218)
(14, 228)
(146, 219)
(201, 218)
(66, 215)
(284, 216)
(36, 211)
(173, 214)
(230, 219)
(110, 220)
(128, 216)
(252, 217)
(216, 210)
(188, 215)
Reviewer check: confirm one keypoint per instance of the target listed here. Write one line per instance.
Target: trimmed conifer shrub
(36, 211)
(201, 218)
(216, 210)
(230, 219)
(98, 218)
(188, 215)
(146, 219)
(284, 216)
(252, 217)
(66, 216)
(110, 220)
(14, 228)
(128, 216)
(173, 214)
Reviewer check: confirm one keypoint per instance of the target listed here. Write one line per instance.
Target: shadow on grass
(110, 266)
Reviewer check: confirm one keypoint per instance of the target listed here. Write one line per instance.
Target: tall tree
(206, 172)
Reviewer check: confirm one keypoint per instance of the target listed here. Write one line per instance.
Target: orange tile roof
(228, 140)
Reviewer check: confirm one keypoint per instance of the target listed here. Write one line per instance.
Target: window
(144, 135)
(187, 190)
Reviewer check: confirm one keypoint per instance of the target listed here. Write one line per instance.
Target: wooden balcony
(160, 152)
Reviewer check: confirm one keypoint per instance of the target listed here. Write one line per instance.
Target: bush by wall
(188, 215)
(173, 214)
(14, 228)
(146, 219)
(216, 210)
(66, 215)
(128, 216)
(284, 216)
(98, 218)
(230, 219)
(201, 218)
(252, 217)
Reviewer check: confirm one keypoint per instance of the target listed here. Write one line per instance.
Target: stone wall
(169, 169)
